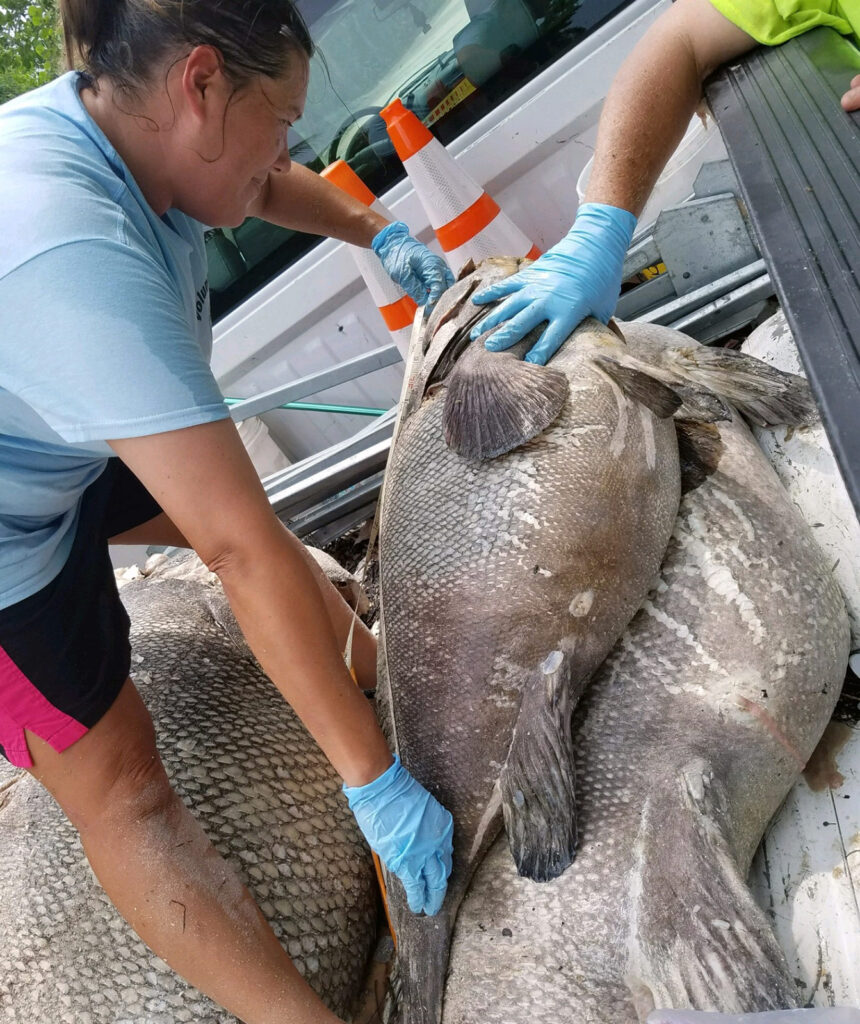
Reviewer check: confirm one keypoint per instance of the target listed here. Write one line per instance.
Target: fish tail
(765, 395)
(538, 778)
(495, 402)
(696, 937)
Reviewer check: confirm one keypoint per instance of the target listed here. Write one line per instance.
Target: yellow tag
(655, 270)
(460, 91)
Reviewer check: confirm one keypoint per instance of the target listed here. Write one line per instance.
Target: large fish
(687, 741)
(526, 510)
(261, 787)
(805, 463)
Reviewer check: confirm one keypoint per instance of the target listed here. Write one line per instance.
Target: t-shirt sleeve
(98, 343)
(772, 22)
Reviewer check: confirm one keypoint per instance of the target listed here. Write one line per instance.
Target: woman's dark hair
(128, 40)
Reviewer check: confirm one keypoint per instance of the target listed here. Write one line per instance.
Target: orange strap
(376, 862)
(399, 314)
(468, 223)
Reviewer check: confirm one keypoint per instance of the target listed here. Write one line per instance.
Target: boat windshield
(450, 62)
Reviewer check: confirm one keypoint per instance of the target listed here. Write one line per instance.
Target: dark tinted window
(450, 61)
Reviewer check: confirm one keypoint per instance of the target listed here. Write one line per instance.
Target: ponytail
(83, 22)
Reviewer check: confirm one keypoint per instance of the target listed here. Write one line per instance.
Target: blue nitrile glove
(578, 277)
(420, 273)
(410, 831)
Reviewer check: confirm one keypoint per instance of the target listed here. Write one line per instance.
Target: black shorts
(64, 651)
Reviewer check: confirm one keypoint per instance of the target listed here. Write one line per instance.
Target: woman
(180, 120)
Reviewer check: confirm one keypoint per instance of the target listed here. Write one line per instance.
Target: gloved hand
(409, 830)
(420, 273)
(578, 277)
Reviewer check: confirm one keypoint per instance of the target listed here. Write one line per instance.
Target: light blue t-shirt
(104, 324)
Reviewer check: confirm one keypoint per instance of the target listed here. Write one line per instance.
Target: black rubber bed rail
(796, 154)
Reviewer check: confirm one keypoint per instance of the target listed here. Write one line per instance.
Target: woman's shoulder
(63, 183)
(53, 165)
(49, 141)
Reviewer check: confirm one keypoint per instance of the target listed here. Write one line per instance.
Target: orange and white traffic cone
(396, 307)
(468, 222)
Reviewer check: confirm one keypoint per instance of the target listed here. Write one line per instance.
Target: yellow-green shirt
(772, 22)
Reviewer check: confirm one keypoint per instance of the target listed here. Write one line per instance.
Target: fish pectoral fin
(496, 402)
(538, 778)
(765, 395)
(700, 449)
(697, 937)
(641, 387)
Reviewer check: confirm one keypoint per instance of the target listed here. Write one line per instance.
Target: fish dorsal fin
(449, 307)
(538, 777)
(616, 330)
(700, 449)
(496, 402)
(444, 347)
(641, 387)
(467, 268)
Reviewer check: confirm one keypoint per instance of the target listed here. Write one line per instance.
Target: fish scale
(262, 789)
(686, 743)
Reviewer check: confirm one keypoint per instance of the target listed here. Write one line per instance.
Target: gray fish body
(263, 791)
(487, 568)
(687, 741)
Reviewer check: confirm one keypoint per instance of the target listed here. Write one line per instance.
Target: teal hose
(353, 410)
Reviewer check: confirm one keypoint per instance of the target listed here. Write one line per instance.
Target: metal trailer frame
(796, 154)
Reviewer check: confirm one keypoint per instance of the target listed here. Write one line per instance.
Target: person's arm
(652, 98)
(206, 484)
(300, 199)
(647, 110)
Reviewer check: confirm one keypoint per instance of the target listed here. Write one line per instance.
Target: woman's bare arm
(653, 97)
(300, 199)
(205, 482)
